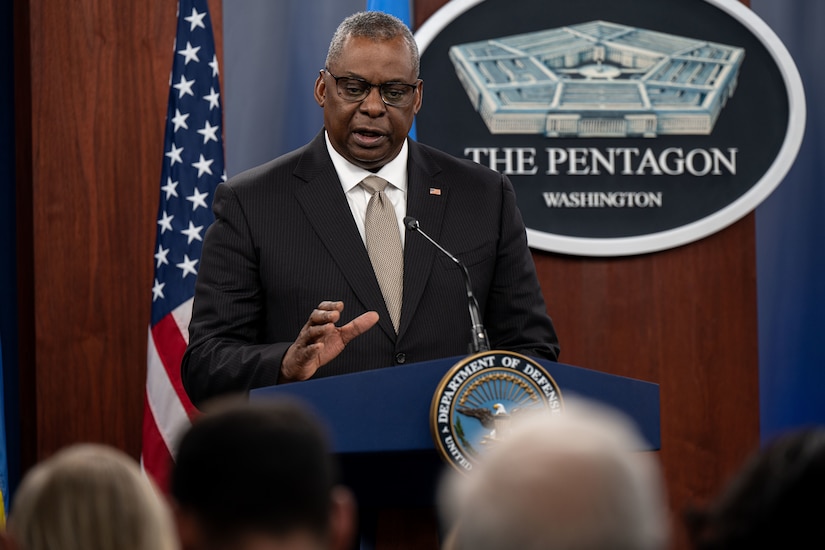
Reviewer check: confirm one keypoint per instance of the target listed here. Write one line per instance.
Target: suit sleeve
(228, 317)
(516, 315)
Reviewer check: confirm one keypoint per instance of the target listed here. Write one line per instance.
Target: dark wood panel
(685, 319)
(423, 9)
(97, 129)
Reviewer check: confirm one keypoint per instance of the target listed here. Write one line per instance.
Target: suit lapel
(326, 208)
(426, 201)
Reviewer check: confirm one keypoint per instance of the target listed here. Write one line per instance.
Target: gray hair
(574, 482)
(90, 497)
(374, 25)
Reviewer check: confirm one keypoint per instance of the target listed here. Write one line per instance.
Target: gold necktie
(384, 246)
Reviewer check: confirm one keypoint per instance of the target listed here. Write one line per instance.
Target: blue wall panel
(790, 232)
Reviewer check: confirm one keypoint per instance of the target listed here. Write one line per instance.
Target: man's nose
(373, 103)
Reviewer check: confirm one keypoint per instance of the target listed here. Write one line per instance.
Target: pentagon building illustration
(598, 79)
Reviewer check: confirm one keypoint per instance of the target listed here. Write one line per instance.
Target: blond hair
(90, 497)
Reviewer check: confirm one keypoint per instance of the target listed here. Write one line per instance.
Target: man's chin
(371, 159)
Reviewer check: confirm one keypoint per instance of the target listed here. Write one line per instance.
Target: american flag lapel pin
(435, 191)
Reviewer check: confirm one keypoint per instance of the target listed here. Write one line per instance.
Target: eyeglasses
(395, 94)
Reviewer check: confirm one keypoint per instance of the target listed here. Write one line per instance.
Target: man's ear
(342, 519)
(419, 99)
(320, 91)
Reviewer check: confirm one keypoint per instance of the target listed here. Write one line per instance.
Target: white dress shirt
(395, 172)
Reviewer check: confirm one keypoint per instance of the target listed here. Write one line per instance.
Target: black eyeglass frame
(370, 86)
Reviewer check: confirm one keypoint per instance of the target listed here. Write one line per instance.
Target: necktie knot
(374, 184)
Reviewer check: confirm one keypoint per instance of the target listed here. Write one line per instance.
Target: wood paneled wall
(91, 88)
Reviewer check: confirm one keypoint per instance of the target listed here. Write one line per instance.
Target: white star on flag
(198, 199)
(195, 20)
(203, 166)
(190, 53)
(209, 132)
(184, 87)
(212, 98)
(179, 120)
(192, 232)
(187, 266)
(165, 222)
(174, 154)
(157, 290)
(170, 188)
(160, 256)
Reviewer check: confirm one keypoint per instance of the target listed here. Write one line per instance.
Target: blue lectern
(380, 429)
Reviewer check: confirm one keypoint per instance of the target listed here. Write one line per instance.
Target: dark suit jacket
(284, 239)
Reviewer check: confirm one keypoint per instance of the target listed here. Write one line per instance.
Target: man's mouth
(367, 137)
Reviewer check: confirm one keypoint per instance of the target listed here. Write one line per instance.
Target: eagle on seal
(486, 416)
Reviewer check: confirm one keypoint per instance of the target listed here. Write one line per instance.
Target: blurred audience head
(89, 497)
(776, 500)
(259, 475)
(576, 481)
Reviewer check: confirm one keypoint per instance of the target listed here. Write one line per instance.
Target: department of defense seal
(480, 396)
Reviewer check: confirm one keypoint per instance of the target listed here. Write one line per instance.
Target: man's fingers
(301, 361)
(322, 315)
(320, 340)
(313, 334)
(358, 326)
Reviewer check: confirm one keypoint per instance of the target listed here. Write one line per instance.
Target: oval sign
(625, 126)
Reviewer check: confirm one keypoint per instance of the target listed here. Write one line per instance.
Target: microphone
(479, 341)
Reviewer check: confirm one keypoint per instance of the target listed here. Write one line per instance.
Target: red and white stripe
(168, 412)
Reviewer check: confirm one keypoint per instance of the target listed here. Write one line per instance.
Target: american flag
(193, 165)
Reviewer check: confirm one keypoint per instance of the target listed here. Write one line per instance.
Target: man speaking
(323, 227)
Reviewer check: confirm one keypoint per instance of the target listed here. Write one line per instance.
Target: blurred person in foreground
(259, 476)
(89, 497)
(776, 499)
(575, 481)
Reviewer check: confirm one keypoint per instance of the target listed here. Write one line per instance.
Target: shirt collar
(351, 175)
